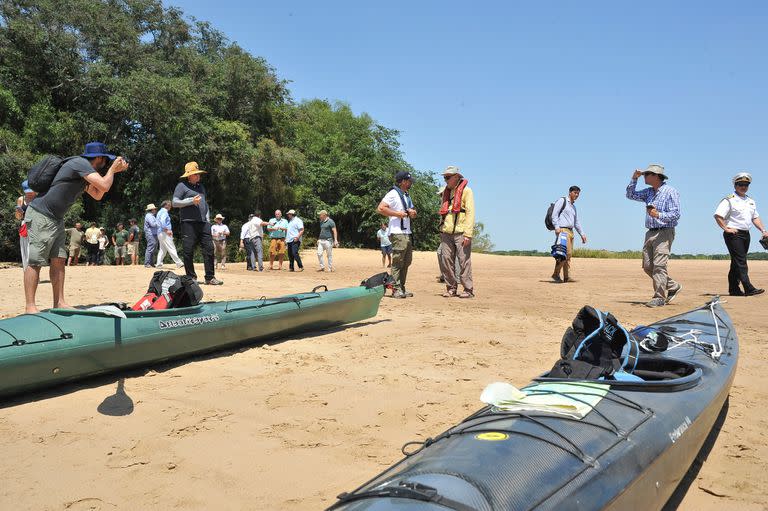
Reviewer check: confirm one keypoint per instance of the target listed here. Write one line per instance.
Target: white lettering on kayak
(676, 433)
(177, 323)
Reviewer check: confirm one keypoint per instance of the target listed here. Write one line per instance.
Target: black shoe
(754, 292)
(672, 293)
(736, 293)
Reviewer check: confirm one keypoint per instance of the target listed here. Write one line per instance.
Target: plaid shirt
(666, 200)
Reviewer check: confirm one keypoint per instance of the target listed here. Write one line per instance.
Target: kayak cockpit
(658, 374)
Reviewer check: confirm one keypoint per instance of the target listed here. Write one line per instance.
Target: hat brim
(192, 173)
(655, 173)
(94, 155)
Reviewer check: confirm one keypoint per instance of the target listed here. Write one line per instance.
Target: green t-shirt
(121, 237)
(325, 229)
(75, 237)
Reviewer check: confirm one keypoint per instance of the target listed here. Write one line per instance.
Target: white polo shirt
(738, 212)
(392, 199)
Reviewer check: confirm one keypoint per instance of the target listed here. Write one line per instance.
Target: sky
(528, 98)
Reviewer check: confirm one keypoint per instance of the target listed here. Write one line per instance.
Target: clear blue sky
(529, 98)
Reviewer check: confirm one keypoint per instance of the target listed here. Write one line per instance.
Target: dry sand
(291, 425)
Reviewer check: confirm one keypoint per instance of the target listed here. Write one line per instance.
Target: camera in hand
(764, 243)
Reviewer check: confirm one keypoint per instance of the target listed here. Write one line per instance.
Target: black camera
(764, 243)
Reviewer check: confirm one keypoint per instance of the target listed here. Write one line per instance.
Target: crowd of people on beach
(45, 240)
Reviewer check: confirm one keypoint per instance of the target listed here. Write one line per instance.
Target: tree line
(163, 90)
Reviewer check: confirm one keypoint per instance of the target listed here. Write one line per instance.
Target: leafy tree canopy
(162, 90)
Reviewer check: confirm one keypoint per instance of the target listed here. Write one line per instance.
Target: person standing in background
(150, 234)
(293, 239)
(165, 236)
(103, 244)
(120, 242)
(75, 242)
(328, 238)
(251, 239)
(190, 198)
(277, 228)
(386, 246)
(134, 235)
(21, 208)
(219, 233)
(735, 215)
(92, 244)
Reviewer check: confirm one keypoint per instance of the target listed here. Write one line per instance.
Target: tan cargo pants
(656, 250)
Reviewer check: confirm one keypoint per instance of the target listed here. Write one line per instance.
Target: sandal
(450, 293)
(467, 294)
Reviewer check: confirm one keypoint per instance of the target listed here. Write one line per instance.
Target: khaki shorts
(74, 251)
(47, 237)
(133, 247)
(276, 246)
(120, 251)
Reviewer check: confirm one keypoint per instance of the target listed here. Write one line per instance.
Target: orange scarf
(447, 207)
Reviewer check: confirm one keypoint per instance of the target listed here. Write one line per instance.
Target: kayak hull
(631, 451)
(58, 346)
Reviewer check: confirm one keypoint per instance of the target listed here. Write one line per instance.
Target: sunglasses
(742, 183)
(448, 178)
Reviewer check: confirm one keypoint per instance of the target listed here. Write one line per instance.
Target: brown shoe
(468, 293)
(214, 282)
(450, 293)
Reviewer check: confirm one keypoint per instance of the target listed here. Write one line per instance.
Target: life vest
(407, 204)
(455, 207)
(169, 291)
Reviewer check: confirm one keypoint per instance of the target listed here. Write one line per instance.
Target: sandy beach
(289, 425)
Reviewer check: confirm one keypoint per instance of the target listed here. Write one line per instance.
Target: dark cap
(402, 176)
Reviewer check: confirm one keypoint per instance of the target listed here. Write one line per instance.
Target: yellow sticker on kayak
(493, 436)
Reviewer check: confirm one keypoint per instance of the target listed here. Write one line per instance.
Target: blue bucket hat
(25, 187)
(94, 149)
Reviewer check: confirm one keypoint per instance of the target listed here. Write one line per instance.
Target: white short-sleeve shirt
(392, 199)
(218, 231)
(738, 212)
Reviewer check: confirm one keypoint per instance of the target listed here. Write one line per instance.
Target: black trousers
(738, 247)
(250, 253)
(293, 254)
(93, 253)
(193, 234)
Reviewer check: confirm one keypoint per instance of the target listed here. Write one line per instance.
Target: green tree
(163, 90)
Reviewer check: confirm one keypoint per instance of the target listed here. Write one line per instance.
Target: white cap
(742, 176)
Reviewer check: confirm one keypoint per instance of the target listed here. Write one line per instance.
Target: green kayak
(61, 345)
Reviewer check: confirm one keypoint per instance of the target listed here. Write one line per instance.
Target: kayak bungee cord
(711, 349)
(497, 416)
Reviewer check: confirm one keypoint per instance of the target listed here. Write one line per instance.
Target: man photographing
(45, 216)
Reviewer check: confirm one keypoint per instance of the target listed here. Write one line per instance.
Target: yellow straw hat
(190, 169)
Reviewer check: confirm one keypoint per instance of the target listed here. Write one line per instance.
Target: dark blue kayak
(629, 451)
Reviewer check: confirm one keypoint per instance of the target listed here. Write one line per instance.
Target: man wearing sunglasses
(735, 215)
(662, 211)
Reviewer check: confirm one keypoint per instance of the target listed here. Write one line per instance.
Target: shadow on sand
(121, 404)
(677, 497)
(117, 404)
